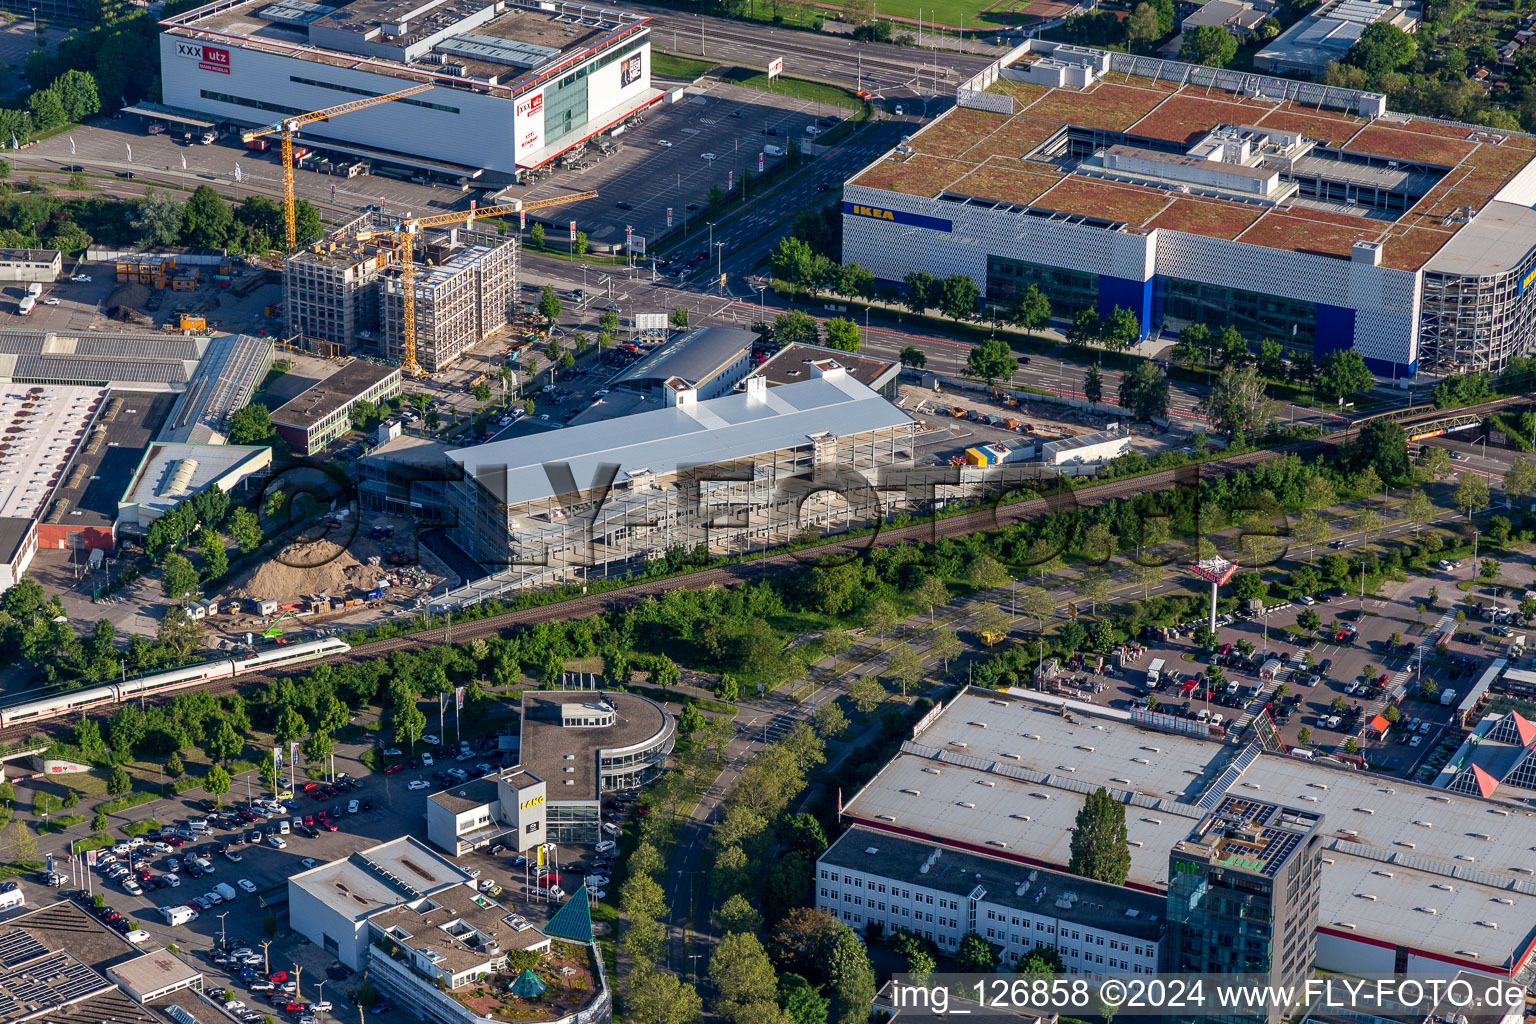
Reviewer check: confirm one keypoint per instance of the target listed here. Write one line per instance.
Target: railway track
(785, 43)
(741, 573)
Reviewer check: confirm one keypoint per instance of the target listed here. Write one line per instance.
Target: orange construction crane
(288, 127)
(406, 230)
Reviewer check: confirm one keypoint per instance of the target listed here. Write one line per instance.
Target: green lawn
(828, 94)
(668, 66)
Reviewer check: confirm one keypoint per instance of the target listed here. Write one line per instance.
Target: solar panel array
(55, 980)
(497, 50)
(17, 948)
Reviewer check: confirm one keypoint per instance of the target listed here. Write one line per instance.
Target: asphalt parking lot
(1341, 664)
(649, 176)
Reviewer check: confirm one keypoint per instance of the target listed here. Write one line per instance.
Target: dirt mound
(129, 295)
(310, 568)
(129, 315)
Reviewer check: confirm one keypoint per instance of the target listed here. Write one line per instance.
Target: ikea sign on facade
(917, 220)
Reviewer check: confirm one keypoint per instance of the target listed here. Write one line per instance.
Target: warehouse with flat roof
(511, 84)
(1415, 879)
(169, 474)
(1287, 210)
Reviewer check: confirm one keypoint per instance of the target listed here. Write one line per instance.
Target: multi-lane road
(882, 68)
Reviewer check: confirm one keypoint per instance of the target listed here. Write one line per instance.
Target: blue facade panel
(1334, 329)
(1135, 296)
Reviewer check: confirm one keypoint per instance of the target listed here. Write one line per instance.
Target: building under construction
(465, 283)
(344, 297)
(331, 294)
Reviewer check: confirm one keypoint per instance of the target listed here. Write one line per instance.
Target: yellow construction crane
(406, 231)
(288, 127)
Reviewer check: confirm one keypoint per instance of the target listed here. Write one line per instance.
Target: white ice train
(167, 682)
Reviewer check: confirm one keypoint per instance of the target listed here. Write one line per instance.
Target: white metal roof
(718, 430)
(993, 769)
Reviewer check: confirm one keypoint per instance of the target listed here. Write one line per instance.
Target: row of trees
(207, 219)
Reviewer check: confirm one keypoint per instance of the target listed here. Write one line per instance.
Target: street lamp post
(720, 265)
(221, 928)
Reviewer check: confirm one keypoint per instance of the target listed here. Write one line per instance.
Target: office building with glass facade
(1243, 898)
(1296, 212)
(585, 743)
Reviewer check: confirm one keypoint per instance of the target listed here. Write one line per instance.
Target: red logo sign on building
(215, 58)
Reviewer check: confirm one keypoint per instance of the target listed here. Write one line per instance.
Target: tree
(1237, 401)
(1210, 45)
(208, 220)
(20, 844)
(1145, 391)
(959, 297)
(245, 530)
(1520, 479)
(801, 1001)
(795, 327)
(1367, 521)
(679, 318)
(933, 592)
(1418, 509)
(1093, 380)
(550, 306)
(1471, 494)
(178, 579)
(157, 218)
(1383, 446)
(913, 356)
(1381, 49)
(289, 725)
(1311, 529)
(944, 645)
(737, 914)
(579, 244)
(1141, 28)
(1304, 735)
(991, 360)
(1121, 329)
(659, 997)
(251, 426)
(225, 744)
(854, 281)
(851, 979)
(1194, 341)
(1272, 359)
(867, 693)
(1343, 374)
(536, 235)
(842, 334)
(1038, 604)
(921, 290)
(905, 666)
(119, 781)
(1100, 849)
(975, 955)
(1033, 310)
(742, 975)
(1084, 329)
(217, 781)
(174, 768)
(1308, 619)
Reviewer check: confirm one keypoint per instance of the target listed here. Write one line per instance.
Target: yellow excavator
(288, 127)
(404, 233)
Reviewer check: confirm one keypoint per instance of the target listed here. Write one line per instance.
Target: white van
(177, 915)
(282, 827)
(774, 150)
(13, 899)
(225, 890)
